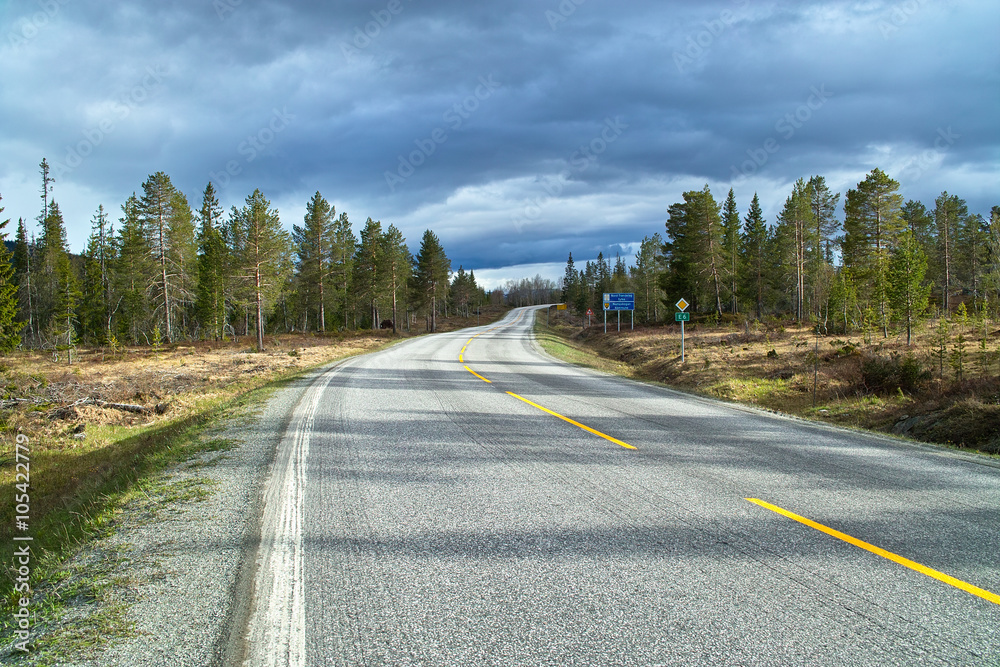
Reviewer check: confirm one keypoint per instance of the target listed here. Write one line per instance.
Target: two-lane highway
(464, 499)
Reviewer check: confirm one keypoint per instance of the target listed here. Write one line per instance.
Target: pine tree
(314, 243)
(462, 291)
(263, 262)
(949, 212)
(796, 228)
(431, 269)
(167, 218)
(213, 263)
(693, 250)
(844, 296)
(992, 270)
(823, 206)
(648, 268)
(10, 327)
(971, 259)
(398, 265)
(731, 249)
(907, 291)
(342, 268)
(871, 224)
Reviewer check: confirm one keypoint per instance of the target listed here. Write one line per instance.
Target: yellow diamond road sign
(682, 304)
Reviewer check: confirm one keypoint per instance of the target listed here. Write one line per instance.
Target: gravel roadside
(189, 564)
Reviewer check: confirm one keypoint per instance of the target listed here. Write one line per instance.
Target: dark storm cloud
(489, 122)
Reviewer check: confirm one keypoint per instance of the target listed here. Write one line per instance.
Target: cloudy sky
(517, 130)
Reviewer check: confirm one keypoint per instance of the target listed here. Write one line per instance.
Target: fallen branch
(127, 407)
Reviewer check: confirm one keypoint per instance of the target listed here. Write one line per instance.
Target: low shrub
(881, 374)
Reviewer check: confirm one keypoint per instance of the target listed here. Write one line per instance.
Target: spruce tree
(213, 267)
(369, 269)
(431, 269)
(342, 266)
(731, 249)
(10, 327)
(314, 244)
(570, 284)
(754, 249)
(133, 275)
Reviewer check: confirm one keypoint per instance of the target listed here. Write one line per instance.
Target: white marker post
(682, 317)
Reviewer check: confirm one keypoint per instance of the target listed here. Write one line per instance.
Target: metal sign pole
(619, 321)
(682, 341)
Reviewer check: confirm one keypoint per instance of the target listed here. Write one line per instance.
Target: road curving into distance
(465, 499)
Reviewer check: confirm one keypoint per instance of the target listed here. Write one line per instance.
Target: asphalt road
(419, 515)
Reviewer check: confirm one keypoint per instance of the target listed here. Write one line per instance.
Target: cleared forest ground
(863, 381)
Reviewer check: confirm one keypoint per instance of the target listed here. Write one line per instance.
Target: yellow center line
(477, 374)
(905, 562)
(571, 421)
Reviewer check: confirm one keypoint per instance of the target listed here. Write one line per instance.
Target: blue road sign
(619, 301)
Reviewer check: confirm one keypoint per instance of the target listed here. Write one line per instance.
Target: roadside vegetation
(102, 430)
(943, 388)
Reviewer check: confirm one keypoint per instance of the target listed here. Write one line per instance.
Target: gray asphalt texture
(446, 522)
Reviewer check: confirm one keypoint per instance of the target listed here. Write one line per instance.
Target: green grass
(555, 342)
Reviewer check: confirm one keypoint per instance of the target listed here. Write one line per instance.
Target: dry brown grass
(733, 363)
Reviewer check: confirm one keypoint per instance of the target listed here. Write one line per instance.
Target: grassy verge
(868, 382)
(87, 463)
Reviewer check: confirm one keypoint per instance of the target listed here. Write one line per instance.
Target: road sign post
(682, 317)
(618, 301)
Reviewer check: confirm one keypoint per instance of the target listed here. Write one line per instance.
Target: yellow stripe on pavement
(573, 422)
(476, 374)
(905, 562)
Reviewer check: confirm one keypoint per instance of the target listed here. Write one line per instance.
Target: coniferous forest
(164, 269)
(871, 262)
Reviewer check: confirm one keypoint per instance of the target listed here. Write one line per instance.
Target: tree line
(165, 272)
(883, 266)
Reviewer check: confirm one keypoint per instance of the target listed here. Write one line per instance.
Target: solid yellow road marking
(573, 422)
(477, 374)
(905, 562)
